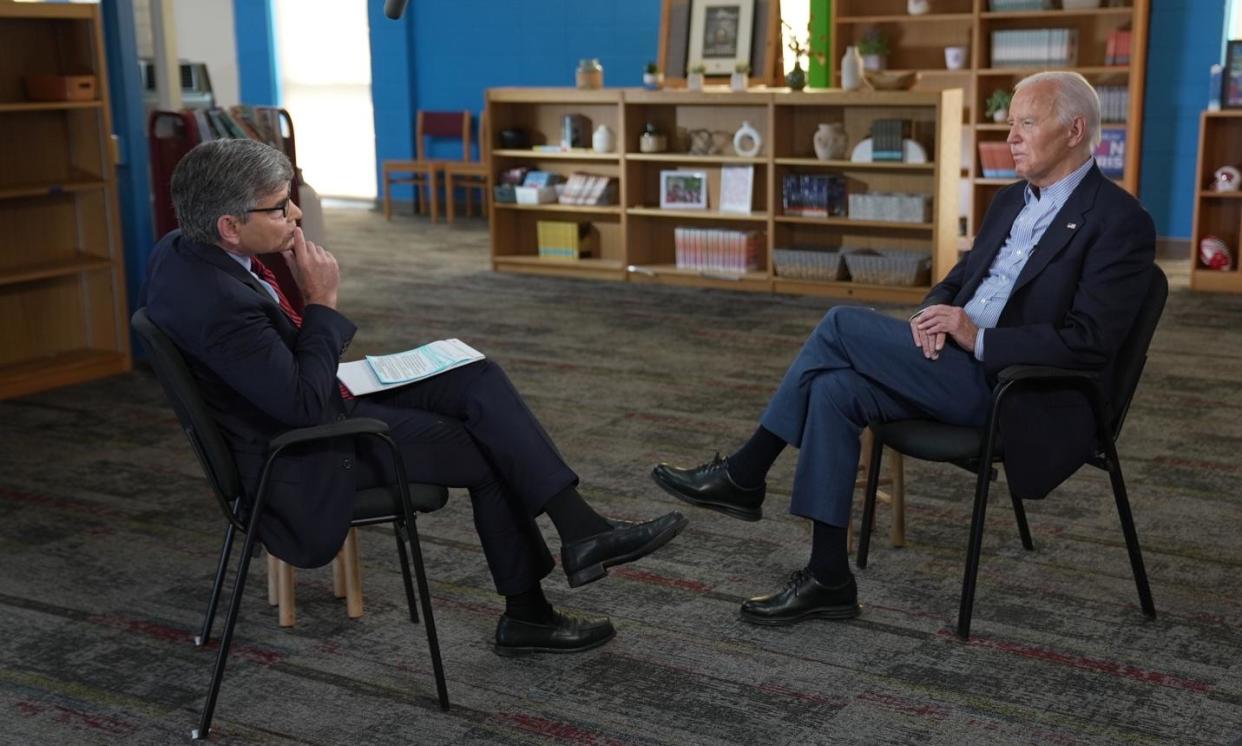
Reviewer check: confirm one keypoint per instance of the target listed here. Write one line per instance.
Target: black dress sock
(830, 562)
(529, 606)
(749, 466)
(573, 518)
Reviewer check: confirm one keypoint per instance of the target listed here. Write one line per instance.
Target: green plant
(698, 69)
(652, 68)
(742, 67)
(873, 43)
(998, 101)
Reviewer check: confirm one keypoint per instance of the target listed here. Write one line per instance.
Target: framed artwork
(1231, 79)
(736, 188)
(683, 190)
(720, 34)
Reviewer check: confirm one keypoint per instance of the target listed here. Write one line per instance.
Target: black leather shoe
(803, 597)
(568, 633)
(710, 486)
(589, 559)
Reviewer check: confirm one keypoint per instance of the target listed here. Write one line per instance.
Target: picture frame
(683, 190)
(721, 33)
(1231, 76)
(737, 184)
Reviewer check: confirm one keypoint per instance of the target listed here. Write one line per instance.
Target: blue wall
(1185, 40)
(254, 31)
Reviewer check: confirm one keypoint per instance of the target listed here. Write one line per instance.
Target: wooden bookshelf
(63, 316)
(1217, 214)
(918, 42)
(635, 236)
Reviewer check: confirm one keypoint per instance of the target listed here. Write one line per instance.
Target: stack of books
(589, 189)
(1038, 47)
(887, 139)
(996, 160)
(563, 240)
(717, 249)
(1117, 49)
(813, 195)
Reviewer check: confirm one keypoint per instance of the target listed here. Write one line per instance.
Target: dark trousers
(470, 428)
(858, 367)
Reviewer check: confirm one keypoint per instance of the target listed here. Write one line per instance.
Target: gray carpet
(108, 537)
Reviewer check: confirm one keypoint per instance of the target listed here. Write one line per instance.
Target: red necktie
(269, 277)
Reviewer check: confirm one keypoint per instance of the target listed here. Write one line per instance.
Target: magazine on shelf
(380, 372)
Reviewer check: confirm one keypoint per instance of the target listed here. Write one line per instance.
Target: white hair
(1075, 98)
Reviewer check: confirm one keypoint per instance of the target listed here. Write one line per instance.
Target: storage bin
(889, 267)
(60, 87)
(534, 195)
(1002, 6)
(809, 264)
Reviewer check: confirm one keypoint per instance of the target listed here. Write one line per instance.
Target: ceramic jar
(603, 141)
(652, 141)
(851, 69)
(590, 74)
(830, 142)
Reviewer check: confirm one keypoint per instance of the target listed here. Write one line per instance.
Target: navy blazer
(1071, 307)
(261, 376)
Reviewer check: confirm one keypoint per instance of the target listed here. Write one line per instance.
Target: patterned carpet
(108, 537)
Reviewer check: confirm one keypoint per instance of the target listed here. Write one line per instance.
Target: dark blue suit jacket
(1072, 305)
(261, 376)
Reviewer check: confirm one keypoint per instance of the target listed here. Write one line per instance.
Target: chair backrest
(196, 421)
(442, 124)
(1132, 356)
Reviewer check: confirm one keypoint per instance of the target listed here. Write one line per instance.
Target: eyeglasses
(283, 207)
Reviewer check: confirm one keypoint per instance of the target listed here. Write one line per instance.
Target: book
(380, 372)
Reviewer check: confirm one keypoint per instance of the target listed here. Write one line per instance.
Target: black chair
(977, 449)
(395, 503)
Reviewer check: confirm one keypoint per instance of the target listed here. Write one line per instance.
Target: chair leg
(217, 674)
(285, 585)
(432, 187)
(449, 200)
(896, 472)
(873, 484)
(1127, 528)
(204, 636)
(353, 575)
(338, 574)
(405, 573)
(424, 592)
(1024, 530)
(387, 197)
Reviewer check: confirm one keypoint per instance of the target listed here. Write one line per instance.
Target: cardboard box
(60, 87)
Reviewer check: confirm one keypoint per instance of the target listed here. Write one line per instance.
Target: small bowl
(886, 81)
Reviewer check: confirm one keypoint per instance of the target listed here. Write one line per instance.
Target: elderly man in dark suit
(1056, 276)
(264, 367)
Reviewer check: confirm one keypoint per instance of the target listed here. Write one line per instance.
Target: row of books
(1114, 103)
(888, 140)
(717, 249)
(559, 239)
(813, 195)
(260, 123)
(589, 189)
(996, 161)
(1034, 47)
(1117, 48)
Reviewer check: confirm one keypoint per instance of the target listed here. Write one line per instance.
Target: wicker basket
(889, 267)
(808, 264)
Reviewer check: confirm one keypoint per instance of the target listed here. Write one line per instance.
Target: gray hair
(224, 177)
(1075, 98)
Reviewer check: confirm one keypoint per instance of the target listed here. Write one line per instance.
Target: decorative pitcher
(851, 69)
(830, 141)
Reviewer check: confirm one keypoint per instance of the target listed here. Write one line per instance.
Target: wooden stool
(346, 581)
(897, 498)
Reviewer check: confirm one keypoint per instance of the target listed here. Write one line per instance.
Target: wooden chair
(422, 173)
(346, 582)
(469, 175)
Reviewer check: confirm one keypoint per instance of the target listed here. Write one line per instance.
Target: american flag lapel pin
(1071, 226)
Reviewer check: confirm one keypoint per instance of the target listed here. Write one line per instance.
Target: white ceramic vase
(738, 81)
(851, 69)
(694, 81)
(603, 141)
(746, 141)
(830, 142)
(918, 7)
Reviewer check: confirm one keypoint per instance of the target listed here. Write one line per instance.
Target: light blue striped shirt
(985, 307)
(244, 260)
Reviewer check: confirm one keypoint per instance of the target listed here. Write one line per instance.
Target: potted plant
(997, 105)
(874, 49)
(652, 77)
(796, 78)
(740, 78)
(694, 81)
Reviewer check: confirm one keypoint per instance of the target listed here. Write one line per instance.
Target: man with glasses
(264, 368)
(1058, 271)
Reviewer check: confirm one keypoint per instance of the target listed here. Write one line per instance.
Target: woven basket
(889, 267)
(808, 264)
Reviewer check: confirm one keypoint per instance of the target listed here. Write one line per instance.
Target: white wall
(204, 34)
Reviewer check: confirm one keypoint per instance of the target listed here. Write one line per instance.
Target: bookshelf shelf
(918, 43)
(63, 312)
(637, 242)
(555, 155)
